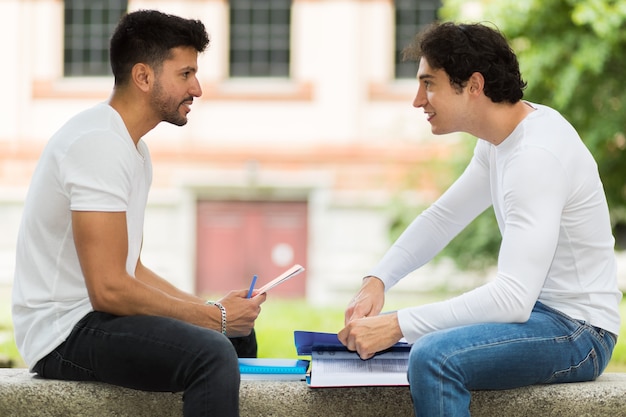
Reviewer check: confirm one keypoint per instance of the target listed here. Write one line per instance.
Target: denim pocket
(54, 366)
(587, 370)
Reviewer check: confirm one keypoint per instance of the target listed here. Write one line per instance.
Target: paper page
(339, 366)
(330, 369)
(290, 273)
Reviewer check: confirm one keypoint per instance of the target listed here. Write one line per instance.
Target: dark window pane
(411, 17)
(88, 28)
(260, 38)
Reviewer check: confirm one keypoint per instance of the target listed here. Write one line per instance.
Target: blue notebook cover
(306, 342)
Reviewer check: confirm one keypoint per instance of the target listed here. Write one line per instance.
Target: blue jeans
(152, 354)
(549, 348)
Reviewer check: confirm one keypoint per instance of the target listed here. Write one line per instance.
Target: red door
(237, 239)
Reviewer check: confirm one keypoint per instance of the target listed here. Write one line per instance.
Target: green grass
(280, 318)
(7, 342)
(618, 360)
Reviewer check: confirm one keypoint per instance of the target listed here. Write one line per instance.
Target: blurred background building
(303, 137)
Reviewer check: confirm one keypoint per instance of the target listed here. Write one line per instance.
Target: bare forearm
(132, 296)
(136, 297)
(149, 277)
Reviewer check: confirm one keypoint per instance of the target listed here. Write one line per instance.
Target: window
(259, 38)
(89, 25)
(411, 17)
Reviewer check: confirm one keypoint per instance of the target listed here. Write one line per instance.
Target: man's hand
(369, 335)
(241, 312)
(368, 301)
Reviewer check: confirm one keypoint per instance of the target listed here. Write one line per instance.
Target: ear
(142, 76)
(476, 83)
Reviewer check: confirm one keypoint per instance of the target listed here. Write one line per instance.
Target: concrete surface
(21, 394)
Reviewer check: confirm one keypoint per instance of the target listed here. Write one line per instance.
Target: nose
(420, 99)
(196, 89)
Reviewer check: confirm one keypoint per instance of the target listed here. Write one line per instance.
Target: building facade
(303, 137)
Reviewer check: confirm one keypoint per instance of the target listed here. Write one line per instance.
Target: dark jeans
(245, 346)
(152, 354)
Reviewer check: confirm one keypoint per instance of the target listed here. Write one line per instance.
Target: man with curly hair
(551, 312)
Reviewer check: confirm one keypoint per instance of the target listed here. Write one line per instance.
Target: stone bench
(21, 394)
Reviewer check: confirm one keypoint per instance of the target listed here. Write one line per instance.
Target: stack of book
(333, 365)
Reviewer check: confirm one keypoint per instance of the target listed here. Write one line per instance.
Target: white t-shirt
(90, 164)
(557, 246)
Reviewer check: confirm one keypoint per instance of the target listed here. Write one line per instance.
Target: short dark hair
(462, 49)
(147, 36)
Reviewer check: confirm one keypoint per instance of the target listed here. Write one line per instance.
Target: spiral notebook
(273, 369)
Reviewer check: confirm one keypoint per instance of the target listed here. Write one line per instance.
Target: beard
(166, 107)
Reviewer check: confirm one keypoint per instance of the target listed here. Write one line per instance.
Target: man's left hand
(370, 335)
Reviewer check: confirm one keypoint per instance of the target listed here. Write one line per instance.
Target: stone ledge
(21, 394)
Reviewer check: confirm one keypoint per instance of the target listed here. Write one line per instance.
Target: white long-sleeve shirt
(557, 246)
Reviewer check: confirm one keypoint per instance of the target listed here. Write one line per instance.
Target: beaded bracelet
(223, 311)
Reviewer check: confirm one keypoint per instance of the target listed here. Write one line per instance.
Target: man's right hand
(368, 301)
(241, 312)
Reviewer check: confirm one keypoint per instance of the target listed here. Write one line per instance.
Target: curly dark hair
(463, 49)
(147, 36)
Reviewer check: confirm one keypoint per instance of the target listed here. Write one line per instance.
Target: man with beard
(84, 305)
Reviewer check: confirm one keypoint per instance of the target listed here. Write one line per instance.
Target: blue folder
(307, 342)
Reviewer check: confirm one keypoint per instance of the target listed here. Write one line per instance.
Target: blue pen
(251, 286)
